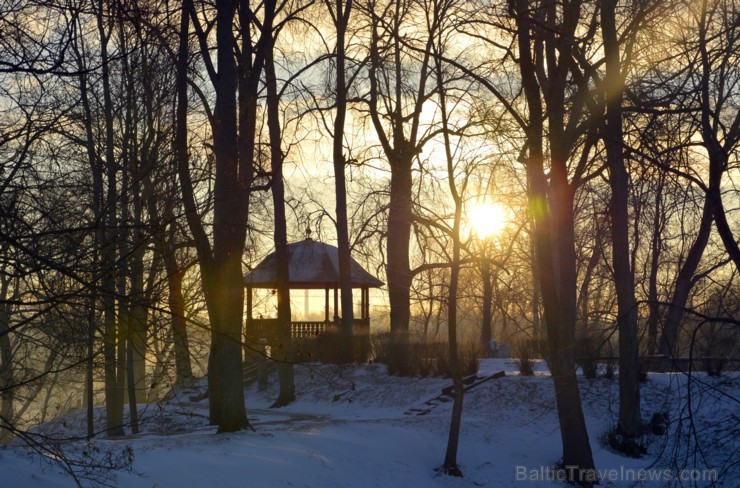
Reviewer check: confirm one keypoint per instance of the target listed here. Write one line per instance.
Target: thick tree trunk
(554, 245)
(400, 147)
(176, 304)
(630, 422)
(398, 268)
(226, 301)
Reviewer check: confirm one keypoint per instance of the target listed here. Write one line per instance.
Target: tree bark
(450, 465)
(341, 14)
(656, 246)
(283, 351)
(400, 147)
(486, 333)
(113, 387)
(630, 422)
(554, 233)
(7, 397)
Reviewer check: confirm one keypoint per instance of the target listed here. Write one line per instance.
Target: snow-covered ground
(359, 427)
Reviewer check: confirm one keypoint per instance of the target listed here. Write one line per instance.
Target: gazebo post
(336, 306)
(249, 304)
(248, 322)
(326, 306)
(366, 303)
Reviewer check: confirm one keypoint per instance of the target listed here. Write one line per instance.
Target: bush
(380, 347)
(717, 343)
(429, 359)
(587, 352)
(524, 350)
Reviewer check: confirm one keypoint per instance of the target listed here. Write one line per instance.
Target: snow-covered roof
(312, 265)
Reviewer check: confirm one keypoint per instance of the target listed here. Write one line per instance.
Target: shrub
(380, 347)
(587, 352)
(524, 350)
(428, 359)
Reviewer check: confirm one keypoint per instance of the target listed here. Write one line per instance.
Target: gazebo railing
(300, 330)
(267, 328)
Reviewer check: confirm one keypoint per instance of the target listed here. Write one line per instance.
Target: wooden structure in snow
(312, 265)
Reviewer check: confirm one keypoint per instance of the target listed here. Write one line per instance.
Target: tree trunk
(684, 283)
(554, 244)
(400, 149)
(176, 304)
(341, 15)
(226, 301)
(398, 268)
(486, 333)
(7, 395)
(113, 387)
(713, 209)
(656, 245)
(450, 465)
(283, 351)
(630, 422)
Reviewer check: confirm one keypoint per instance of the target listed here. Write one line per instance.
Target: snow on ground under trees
(358, 427)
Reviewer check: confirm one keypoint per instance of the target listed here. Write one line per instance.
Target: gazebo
(312, 265)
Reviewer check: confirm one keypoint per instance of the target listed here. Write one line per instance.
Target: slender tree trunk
(283, 351)
(176, 304)
(342, 10)
(712, 202)
(630, 422)
(718, 147)
(450, 465)
(684, 283)
(113, 387)
(7, 397)
(656, 245)
(486, 333)
(98, 236)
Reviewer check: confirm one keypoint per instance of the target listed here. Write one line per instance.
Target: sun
(487, 219)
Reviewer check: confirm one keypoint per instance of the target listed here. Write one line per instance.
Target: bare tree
(283, 352)
(630, 422)
(552, 202)
(395, 108)
(340, 13)
(233, 148)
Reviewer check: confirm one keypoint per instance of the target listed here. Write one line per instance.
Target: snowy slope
(349, 429)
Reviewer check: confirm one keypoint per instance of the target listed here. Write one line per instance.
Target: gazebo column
(249, 304)
(326, 306)
(248, 323)
(362, 303)
(336, 306)
(363, 330)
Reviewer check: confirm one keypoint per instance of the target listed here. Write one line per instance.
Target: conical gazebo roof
(312, 265)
